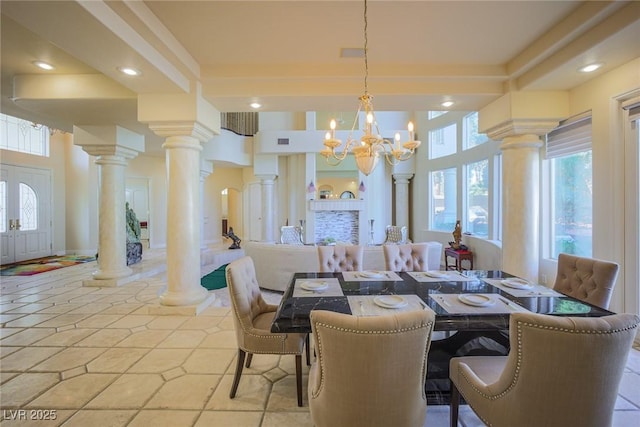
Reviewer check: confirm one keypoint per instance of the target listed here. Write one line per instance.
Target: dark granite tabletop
(439, 294)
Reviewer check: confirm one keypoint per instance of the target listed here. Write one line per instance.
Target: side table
(458, 256)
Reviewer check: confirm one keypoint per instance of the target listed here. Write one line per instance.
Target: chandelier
(372, 145)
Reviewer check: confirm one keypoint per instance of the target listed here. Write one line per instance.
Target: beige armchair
(411, 257)
(369, 371)
(340, 258)
(253, 318)
(587, 279)
(560, 371)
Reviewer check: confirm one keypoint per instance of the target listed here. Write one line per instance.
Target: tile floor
(94, 356)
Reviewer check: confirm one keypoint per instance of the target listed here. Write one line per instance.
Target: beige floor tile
(68, 358)
(12, 319)
(629, 387)
(99, 320)
(128, 391)
(220, 339)
(252, 394)
(21, 389)
(229, 418)
(167, 322)
(147, 339)
(65, 338)
(131, 321)
(185, 392)
(288, 364)
(28, 320)
(216, 311)
(8, 307)
(74, 392)
(7, 332)
(116, 360)
(122, 309)
(164, 418)
(28, 357)
(28, 336)
(6, 376)
(104, 338)
(262, 363)
(160, 360)
(63, 320)
(102, 418)
(28, 308)
(209, 361)
(284, 396)
(287, 419)
(183, 339)
(227, 324)
(201, 322)
(5, 350)
(60, 308)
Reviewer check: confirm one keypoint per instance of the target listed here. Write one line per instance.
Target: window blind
(570, 137)
(633, 107)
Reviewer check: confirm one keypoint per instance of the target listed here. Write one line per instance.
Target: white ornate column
(266, 185)
(520, 147)
(205, 171)
(113, 147)
(401, 181)
(183, 218)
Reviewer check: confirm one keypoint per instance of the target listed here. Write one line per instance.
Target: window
(477, 221)
(571, 188)
(28, 208)
(443, 141)
(471, 137)
(3, 206)
(444, 199)
(434, 114)
(23, 136)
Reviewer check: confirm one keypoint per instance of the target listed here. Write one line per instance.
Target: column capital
(521, 141)
(266, 178)
(110, 150)
(181, 128)
(402, 178)
(516, 127)
(108, 141)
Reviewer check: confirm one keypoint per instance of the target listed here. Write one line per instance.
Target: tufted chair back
(291, 235)
(340, 258)
(252, 318)
(395, 234)
(560, 371)
(406, 257)
(369, 371)
(587, 279)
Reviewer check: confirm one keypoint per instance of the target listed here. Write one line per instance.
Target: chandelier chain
(366, 42)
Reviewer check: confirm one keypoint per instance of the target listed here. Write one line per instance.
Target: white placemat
(452, 276)
(453, 305)
(333, 288)
(361, 276)
(535, 290)
(363, 305)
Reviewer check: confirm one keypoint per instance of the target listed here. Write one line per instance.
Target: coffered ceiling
(286, 54)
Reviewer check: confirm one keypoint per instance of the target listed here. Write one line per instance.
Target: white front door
(25, 213)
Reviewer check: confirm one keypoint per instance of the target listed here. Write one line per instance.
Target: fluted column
(268, 215)
(401, 181)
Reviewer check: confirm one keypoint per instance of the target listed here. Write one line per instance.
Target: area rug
(216, 279)
(41, 265)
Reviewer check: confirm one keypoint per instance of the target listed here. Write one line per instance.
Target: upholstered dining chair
(252, 320)
(560, 371)
(411, 257)
(340, 258)
(369, 371)
(587, 279)
(395, 234)
(291, 235)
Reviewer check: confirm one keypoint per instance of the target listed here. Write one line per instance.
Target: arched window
(28, 208)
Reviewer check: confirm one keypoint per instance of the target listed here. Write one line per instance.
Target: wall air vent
(283, 141)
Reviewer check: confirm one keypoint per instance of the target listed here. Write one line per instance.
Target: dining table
(472, 308)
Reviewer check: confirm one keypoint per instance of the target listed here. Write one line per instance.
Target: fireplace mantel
(336, 205)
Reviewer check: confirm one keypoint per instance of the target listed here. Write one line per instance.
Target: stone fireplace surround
(337, 219)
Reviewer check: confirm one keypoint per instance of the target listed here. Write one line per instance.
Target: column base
(192, 297)
(182, 310)
(112, 274)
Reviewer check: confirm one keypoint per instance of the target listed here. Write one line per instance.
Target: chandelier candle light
(372, 145)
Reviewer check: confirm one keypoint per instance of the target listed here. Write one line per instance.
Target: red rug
(41, 265)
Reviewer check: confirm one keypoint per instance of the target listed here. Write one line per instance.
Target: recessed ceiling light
(447, 104)
(590, 68)
(129, 71)
(43, 65)
(255, 105)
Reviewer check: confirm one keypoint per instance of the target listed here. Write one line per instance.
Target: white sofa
(276, 263)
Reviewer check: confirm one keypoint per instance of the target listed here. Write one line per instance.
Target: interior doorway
(137, 195)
